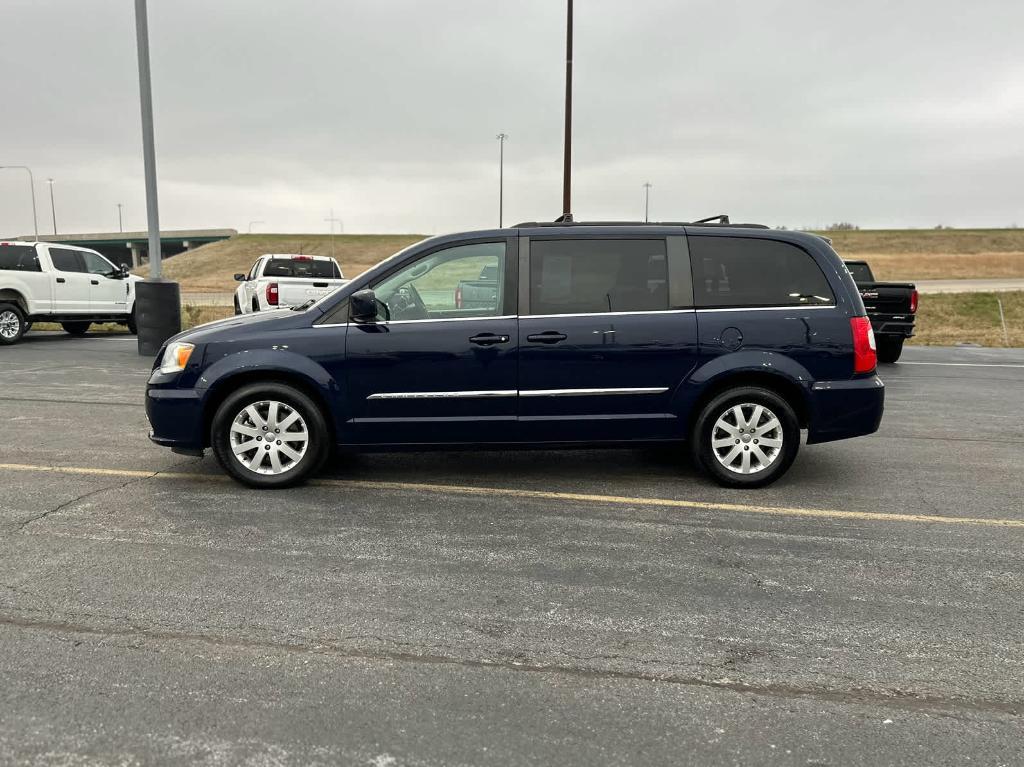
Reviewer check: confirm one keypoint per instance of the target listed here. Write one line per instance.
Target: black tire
(318, 443)
(133, 326)
(255, 305)
(706, 456)
(76, 328)
(889, 348)
(238, 307)
(12, 323)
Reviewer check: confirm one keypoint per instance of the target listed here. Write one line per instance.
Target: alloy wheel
(9, 324)
(747, 438)
(269, 437)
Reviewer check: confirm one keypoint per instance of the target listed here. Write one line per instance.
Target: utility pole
(647, 200)
(567, 156)
(332, 221)
(501, 176)
(251, 223)
(157, 302)
(32, 191)
(120, 225)
(53, 211)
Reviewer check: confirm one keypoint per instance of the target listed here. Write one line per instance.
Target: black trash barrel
(157, 313)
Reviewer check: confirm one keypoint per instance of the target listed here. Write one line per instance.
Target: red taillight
(913, 302)
(272, 294)
(458, 297)
(864, 357)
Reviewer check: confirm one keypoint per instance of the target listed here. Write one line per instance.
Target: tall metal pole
(32, 190)
(567, 157)
(332, 219)
(148, 148)
(120, 224)
(501, 176)
(647, 200)
(53, 210)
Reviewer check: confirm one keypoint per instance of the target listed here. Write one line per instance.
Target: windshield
(392, 257)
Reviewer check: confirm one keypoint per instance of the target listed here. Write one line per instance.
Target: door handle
(488, 339)
(547, 337)
(94, 282)
(61, 280)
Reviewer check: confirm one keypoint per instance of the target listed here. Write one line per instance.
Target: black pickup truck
(481, 293)
(891, 307)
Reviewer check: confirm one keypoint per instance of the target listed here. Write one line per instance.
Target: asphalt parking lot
(567, 608)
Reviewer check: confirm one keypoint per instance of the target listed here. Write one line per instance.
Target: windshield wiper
(303, 307)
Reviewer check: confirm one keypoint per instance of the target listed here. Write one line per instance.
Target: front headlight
(175, 357)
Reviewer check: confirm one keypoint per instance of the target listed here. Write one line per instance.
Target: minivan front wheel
(746, 437)
(269, 435)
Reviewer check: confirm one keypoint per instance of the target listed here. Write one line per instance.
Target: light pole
(501, 176)
(53, 210)
(32, 190)
(251, 223)
(157, 302)
(647, 200)
(567, 155)
(332, 221)
(120, 223)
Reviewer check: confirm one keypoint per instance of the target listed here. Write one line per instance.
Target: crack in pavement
(948, 706)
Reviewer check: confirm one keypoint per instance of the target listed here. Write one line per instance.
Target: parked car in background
(730, 338)
(61, 283)
(280, 280)
(891, 307)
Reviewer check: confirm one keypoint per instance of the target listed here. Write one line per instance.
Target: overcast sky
(798, 113)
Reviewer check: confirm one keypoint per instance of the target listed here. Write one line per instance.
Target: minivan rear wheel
(269, 435)
(746, 437)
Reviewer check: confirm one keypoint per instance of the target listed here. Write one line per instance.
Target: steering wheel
(406, 304)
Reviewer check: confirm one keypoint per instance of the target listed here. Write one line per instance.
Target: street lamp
(32, 190)
(647, 199)
(120, 224)
(501, 175)
(53, 210)
(251, 223)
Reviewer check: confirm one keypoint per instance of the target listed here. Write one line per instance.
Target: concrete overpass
(132, 248)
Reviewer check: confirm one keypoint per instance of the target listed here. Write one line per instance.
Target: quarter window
(97, 264)
(591, 276)
(18, 258)
(65, 260)
(749, 272)
(463, 281)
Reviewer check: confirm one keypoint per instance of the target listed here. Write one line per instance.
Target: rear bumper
(844, 409)
(892, 325)
(176, 417)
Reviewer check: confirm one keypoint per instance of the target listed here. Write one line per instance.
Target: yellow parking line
(618, 500)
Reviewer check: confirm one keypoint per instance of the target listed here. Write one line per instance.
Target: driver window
(97, 264)
(464, 281)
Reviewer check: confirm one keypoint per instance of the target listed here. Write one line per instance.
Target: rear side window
(594, 276)
(67, 260)
(860, 272)
(18, 258)
(301, 267)
(748, 272)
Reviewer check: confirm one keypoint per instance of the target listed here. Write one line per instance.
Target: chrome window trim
(794, 307)
(444, 394)
(590, 392)
(605, 314)
(410, 322)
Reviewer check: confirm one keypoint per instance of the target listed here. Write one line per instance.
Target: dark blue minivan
(731, 338)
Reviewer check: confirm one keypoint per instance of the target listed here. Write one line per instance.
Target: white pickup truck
(74, 286)
(279, 280)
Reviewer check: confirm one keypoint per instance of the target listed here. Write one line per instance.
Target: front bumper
(176, 417)
(844, 409)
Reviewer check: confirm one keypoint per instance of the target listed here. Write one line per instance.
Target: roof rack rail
(721, 218)
(567, 220)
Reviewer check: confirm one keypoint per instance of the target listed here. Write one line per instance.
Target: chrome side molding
(514, 393)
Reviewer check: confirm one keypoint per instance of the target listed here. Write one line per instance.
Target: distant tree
(841, 226)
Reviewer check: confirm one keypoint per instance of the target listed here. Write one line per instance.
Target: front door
(606, 341)
(439, 364)
(107, 292)
(71, 281)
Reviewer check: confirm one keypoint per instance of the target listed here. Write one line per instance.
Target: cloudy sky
(788, 112)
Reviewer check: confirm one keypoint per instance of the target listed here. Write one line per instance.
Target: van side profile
(730, 338)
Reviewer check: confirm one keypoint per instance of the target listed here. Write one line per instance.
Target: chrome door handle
(488, 339)
(547, 337)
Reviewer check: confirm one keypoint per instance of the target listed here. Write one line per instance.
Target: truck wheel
(238, 308)
(133, 326)
(269, 435)
(889, 348)
(12, 324)
(76, 328)
(255, 305)
(746, 437)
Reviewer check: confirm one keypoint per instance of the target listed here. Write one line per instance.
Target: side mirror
(239, 278)
(363, 305)
(123, 272)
